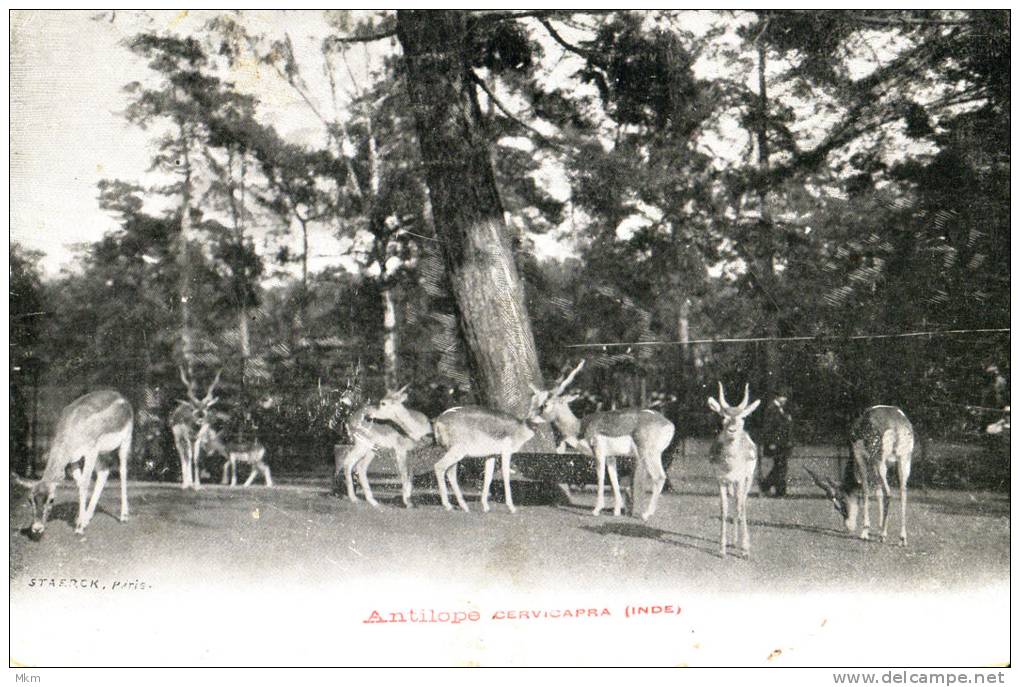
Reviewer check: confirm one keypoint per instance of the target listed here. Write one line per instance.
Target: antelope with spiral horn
(733, 457)
(606, 435)
(880, 438)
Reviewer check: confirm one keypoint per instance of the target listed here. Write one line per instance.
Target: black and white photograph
(511, 338)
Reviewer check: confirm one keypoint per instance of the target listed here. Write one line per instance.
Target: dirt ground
(302, 570)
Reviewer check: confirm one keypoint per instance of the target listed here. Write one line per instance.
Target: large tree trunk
(769, 362)
(184, 259)
(298, 320)
(243, 334)
(391, 372)
(683, 333)
(684, 363)
(467, 209)
(390, 342)
(237, 211)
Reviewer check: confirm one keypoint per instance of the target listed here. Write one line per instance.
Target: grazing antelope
(253, 453)
(190, 426)
(96, 423)
(733, 457)
(369, 436)
(881, 437)
(644, 434)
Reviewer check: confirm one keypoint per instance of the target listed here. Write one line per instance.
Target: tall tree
(179, 63)
(466, 207)
(376, 192)
(228, 151)
(386, 197)
(27, 303)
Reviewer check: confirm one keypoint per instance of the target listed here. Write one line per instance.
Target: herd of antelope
(102, 422)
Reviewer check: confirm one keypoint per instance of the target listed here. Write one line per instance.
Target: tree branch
(367, 38)
(491, 17)
(484, 16)
(499, 104)
(586, 54)
(907, 21)
(352, 178)
(864, 98)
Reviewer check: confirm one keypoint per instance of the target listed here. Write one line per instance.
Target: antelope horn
(722, 397)
(824, 485)
(188, 385)
(562, 386)
(208, 396)
(747, 396)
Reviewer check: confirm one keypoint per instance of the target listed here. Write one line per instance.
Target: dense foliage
(782, 191)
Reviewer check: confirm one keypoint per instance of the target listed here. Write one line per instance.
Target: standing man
(777, 444)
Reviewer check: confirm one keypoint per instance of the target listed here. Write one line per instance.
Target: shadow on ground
(425, 493)
(641, 531)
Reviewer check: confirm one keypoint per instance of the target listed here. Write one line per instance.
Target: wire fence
(302, 419)
(787, 339)
(936, 464)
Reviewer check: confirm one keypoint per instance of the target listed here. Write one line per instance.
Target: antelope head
(200, 407)
(554, 407)
(535, 405)
(391, 407)
(40, 496)
(843, 502)
(733, 416)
